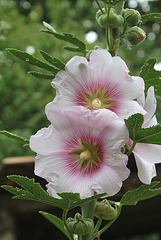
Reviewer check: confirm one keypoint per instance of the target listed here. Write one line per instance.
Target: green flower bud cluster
(121, 28)
(105, 211)
(135, 35)
(80, 225)
(114, 20)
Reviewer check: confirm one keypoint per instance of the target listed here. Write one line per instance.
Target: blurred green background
(23, 97)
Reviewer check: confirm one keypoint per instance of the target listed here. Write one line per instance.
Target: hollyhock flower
(81, 151)
(103, 82)
(146, 155)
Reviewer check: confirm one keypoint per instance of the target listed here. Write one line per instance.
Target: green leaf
(74, 198)
(151, 135)
(33, 191)
(139, 194)
(56, 221)
(14, 136)
(67, 37)
(41, 75)
(32, 60)
(134, 123)
(54, 61)
(72, 49)
(154, 17)
(151, 76)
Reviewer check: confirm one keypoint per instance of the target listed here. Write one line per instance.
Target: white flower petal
(43, 142)
(148, 152)
(129, 108)
(146, 170)
(150, 105)
(107, 181)
(100, 65)
(152, 122)
(50, 140)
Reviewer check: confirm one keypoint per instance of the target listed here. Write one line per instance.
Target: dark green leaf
(134, 123)
(72, 49)
(56, 221)
(151, 135)
(151, 76)
(11, 135)
(74, 198)
(139, 194)
(32, 60)
(54, 61)
(155, 17)
(41, 75)
(67, 37)
(33, 191)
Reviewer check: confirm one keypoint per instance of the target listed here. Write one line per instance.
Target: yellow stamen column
(85, 155)
(96, 104)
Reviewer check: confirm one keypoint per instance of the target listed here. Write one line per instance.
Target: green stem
(79, 237)
(107, 27)
(131, 149)
(111, 222)
(64, 216)
(99, 6)
(98, 224)
(88, 210)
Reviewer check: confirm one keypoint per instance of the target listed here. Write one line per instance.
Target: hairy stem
(88, 210)
(99, 6)
(65, 223)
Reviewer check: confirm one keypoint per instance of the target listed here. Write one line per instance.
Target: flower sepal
(113, 19)
(80, 225)
(105, 210)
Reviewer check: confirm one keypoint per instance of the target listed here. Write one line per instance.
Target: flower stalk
(64, 216)
(88, 212)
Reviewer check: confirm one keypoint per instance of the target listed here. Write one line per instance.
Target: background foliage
(24, 97)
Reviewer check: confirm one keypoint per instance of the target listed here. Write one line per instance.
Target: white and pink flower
(103, 82)
(81, 151)
(146, 155)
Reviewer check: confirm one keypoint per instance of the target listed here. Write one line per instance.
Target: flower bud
(135, 35)
(101, 17)
(105, 211)
(132, 17)
(114, 20)
(79, 225)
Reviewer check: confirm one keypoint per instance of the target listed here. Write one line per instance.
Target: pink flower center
(85, 158)
(97, 96)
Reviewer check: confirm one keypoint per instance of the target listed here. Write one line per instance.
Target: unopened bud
(114, 20)
(101, 17)
(105, 211)
(135, 35)
(79, 225)
(132, 17)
